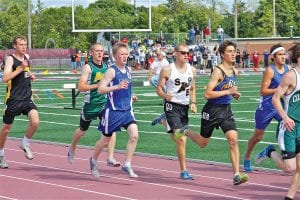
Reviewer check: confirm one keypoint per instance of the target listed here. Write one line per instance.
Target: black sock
(287, 198)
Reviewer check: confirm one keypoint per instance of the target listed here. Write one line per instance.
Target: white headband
(278, 49)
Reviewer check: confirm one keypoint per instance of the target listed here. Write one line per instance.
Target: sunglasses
(186, 53)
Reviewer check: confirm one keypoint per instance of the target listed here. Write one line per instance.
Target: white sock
(237, 173)
(1, 152)
(127, 164)
(25, 141)
(94, 161)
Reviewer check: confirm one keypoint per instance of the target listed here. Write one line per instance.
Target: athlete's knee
(133, 137)
(203, 144)
(289, 169)
(5, 129)
(232, 142)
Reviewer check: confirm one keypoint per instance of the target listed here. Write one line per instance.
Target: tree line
(175, 16)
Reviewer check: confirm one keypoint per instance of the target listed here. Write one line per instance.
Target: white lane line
(67, 187)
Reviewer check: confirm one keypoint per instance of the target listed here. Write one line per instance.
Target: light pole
(160, 27)
(29, 24)
(291, 29)
(235, 19)
(274, 20)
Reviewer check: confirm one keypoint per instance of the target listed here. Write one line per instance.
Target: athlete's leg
(34, 121)
(256, 137)
(133, 134)
(180, 148)
(104, 141)
(232, 139)
(3, 135)
(197, 138)
(111, 147)
(286, 165)
(295, 185)
(76, 137)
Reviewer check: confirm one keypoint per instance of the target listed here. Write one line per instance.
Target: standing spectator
(245, 58)
(220, 33)
(205, 58)
(198, 32)
(238, 58)
(266, 58)
(18, 101)
(118, 112)
(192, 34)
(289, 91)
(217, 111)
(73, 61)
(206, 32)
(78, 60)
(255, 59)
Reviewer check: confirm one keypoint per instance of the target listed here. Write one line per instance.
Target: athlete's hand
(236, 95)
(123, 84)
(169, 97)
(32, 77)
(289, 124)
(134, 98)
(193, 107)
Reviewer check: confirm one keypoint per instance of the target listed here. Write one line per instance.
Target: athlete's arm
(8, 73)
(83, 85)
(163, 77)
(193, 91)
(264, 89)
(286, 85)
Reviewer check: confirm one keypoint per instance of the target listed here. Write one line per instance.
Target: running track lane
(49, 176)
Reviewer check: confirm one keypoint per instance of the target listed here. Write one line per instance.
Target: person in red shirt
(206, 33)
(255, 59)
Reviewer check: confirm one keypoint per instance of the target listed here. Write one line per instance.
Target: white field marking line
(4, 197)
(162, 133)
(139, 167)
(67, 187)
(131, 180)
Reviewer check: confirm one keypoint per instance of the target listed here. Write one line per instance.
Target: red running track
(50, 176)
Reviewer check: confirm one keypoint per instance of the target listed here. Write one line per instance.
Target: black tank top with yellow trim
(19, 88)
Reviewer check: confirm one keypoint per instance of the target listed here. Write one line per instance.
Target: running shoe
(240, 178)
(247, 166)
(185, 175)
(130, 171)
(261, 156)
(181, 132)
(27, 151)
(158, 119)
(94, 169)
(70, 156)
(3, 163)
(113, 163)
